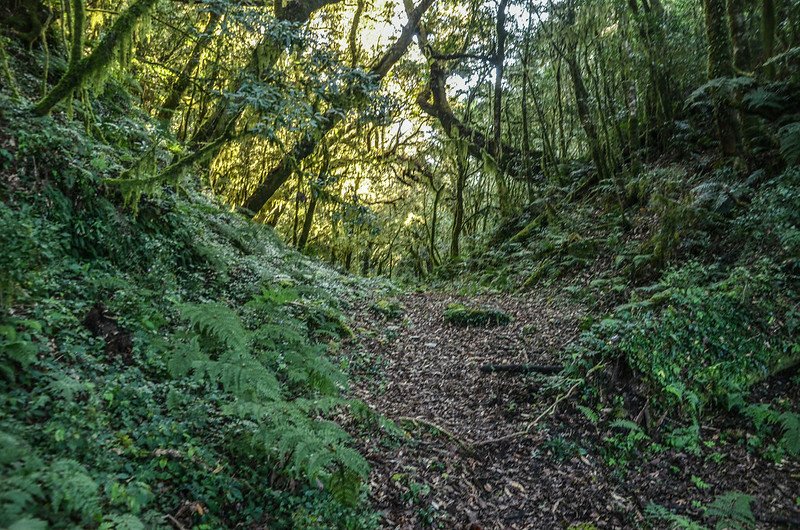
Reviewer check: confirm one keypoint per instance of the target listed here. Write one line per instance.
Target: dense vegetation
(196, 196)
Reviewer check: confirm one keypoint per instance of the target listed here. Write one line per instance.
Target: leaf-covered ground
(462, 462)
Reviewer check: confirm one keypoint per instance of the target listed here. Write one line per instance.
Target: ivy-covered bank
(166, 365)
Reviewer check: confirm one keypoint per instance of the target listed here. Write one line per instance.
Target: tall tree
(184, 77)
(306, 145)
(497, 106)
(720, 64)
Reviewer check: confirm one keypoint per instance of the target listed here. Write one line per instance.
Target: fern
(764, 416)
(16, 348)
(789, 136)
(186, 355)
(122, 522)
(242, 376)
(719, 89)
(628, 425)
(312, 448)
(656, 512)
(732, 511)
(28, 523)
(763, 100)
(590, 414)
(791, 433)
(261, 371)
(73, 490)
(218, 321)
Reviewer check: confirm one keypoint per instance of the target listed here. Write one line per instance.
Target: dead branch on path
(438, 428)
(547, 412)
(544, 369)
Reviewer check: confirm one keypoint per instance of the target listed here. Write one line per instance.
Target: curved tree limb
(306, 146)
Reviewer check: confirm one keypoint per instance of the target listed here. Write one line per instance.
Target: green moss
(94, 65)
(461, 315)
(390, 308)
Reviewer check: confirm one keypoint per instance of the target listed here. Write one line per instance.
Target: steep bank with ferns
(168, 365)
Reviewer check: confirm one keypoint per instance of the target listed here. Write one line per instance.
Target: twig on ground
(522, 368)
(548, 411)
(438, 428)
(175, 522)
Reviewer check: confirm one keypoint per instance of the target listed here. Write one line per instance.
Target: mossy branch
(8, 75)
(78, 21)
(88, 67)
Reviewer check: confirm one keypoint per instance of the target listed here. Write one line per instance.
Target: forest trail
(421, 368)
(424, 374)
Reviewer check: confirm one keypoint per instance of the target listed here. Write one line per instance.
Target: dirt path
(424, 374)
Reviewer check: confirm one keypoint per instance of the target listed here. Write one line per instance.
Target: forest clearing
(357, 264)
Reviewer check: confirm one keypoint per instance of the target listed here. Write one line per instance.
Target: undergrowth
(210, 395)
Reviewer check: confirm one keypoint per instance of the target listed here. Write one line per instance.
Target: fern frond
(242, 376)
(732, 511)
(122, 522)
(656, 512)
(72, 489)
(790, 441)
(763, 100)
(218, 321)
(626, 425)
(789, 136)
(185, 356)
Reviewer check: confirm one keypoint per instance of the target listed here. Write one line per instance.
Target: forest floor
(464, 461)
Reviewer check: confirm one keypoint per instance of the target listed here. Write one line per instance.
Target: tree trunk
(434, 220)
(497, 106)
(458, 206)
(308, 219)
(316, 190)
(768, 20)
(184, 79)
(720, 64)
(78, 22)
(585, 116)
(742, 56)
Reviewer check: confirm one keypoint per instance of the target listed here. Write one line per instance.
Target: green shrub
(226, 403)
(703, 335)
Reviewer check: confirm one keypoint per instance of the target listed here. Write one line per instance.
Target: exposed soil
(451, 471)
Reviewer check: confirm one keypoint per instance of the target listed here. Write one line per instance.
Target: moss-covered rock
(461, 315)
(391, 308)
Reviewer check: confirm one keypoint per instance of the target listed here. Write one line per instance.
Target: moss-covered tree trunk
(78, 22)
(92, 66)
(742, 55)
(585, 116)
(184, 79)
(458, 206)
(660, 95)
(497, 108)
(768, 21)
(720, 64)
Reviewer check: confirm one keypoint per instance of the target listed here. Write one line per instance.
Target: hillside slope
(168, 364)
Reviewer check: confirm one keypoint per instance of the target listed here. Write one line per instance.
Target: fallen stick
(546, 369)
(548, 411)
(438, 428)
